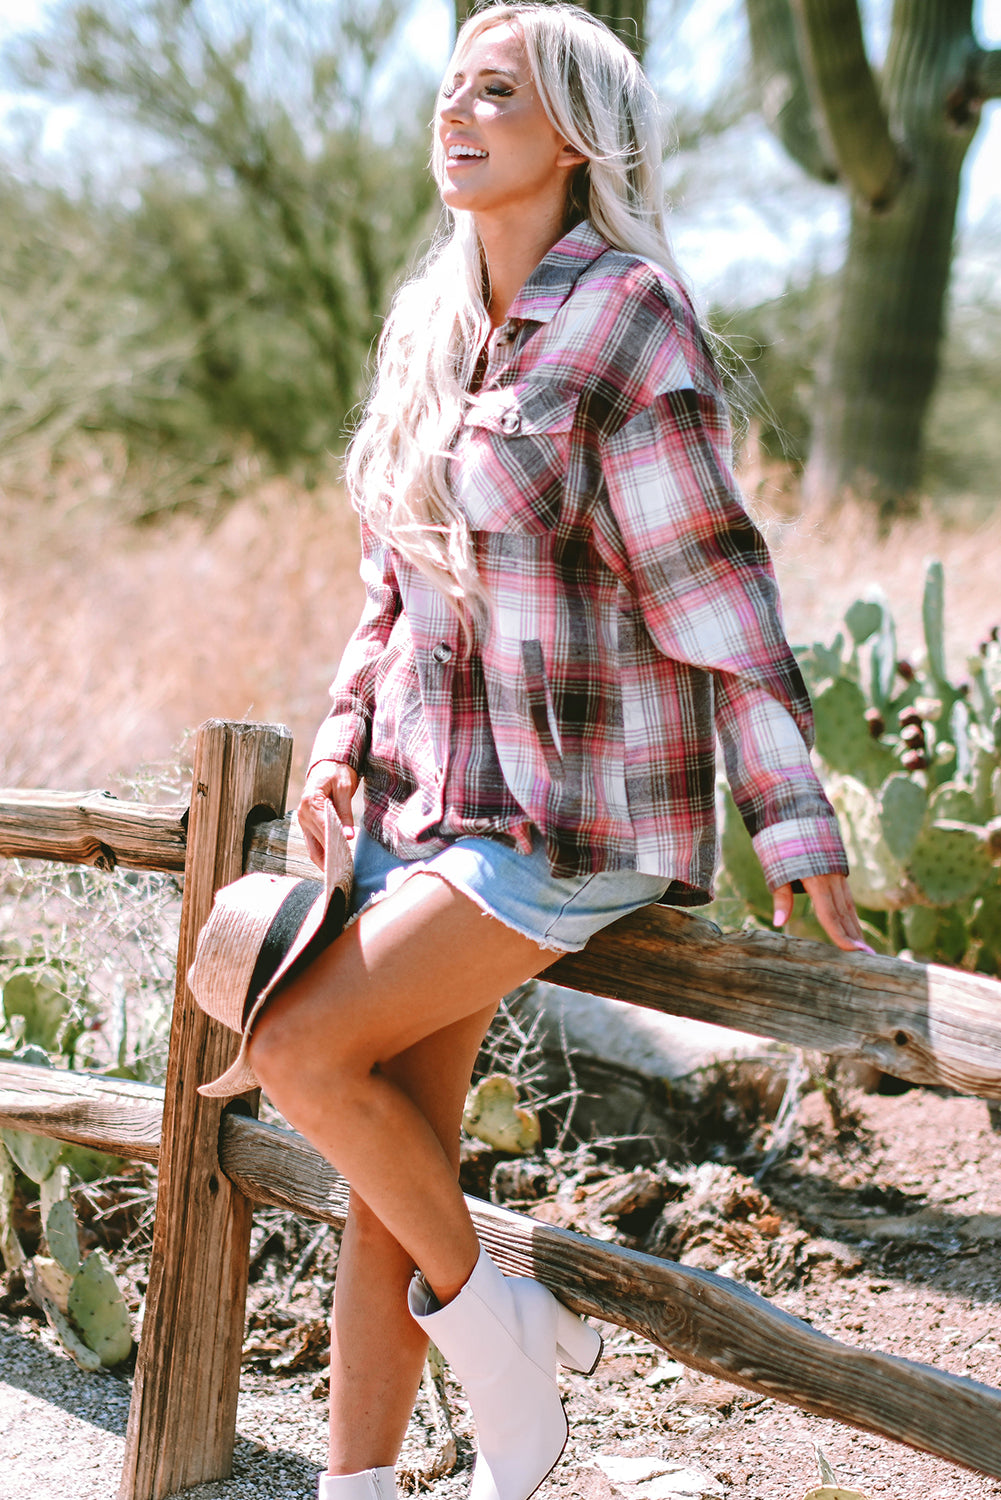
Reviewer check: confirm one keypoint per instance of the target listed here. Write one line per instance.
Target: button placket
(441, 654)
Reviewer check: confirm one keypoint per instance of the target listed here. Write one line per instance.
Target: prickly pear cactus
(63, 1236)
(98, 1310)
(903, 806)
(494, 1116)
(912, 763)
(844, 740)
(82, 1302)
(34, 1155)
(10, 1245)
(878, 880)
(59, 1321)
(949, 863)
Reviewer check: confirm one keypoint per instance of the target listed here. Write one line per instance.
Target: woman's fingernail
(864, 948)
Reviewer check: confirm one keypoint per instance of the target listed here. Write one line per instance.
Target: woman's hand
(328, 781)
(834, 906)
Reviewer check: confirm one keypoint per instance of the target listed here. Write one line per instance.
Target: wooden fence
(925, 1024)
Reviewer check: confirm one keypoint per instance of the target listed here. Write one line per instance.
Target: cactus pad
(843, 739)
(863, 619)
(921, 930)
(90, 1165)
(933, 619)
(876, 879)
(35, 1155)
(949, 863)
(40, 1003)
(56, 1280)
(902, 807)
(98, 1310)
(58, 1321)
(494, 1116)
(52, 1188)
(10, 1245)
(953, 802)
(61, 1234)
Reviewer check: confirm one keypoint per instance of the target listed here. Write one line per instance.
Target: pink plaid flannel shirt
(635, 611)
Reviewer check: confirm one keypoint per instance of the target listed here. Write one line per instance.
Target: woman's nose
(455, 107)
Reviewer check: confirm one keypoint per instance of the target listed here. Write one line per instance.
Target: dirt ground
(882, 1233)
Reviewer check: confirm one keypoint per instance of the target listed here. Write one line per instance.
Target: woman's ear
(570, 157)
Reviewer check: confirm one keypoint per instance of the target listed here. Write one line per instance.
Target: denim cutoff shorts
(559, 912)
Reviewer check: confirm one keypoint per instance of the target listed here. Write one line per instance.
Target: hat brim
(322, 924)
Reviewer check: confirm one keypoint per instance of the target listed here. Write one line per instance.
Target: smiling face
(498, 151)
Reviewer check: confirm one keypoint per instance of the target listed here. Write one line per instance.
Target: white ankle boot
(502, 1336)
(370, 1484)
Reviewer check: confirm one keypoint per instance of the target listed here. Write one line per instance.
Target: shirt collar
(552, 281)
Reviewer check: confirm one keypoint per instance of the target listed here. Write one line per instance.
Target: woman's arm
(703, 580)
(337, 758)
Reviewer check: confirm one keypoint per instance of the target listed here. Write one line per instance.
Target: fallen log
(707, 1321)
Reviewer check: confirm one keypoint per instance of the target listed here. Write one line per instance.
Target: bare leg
(340, 1053)
(377, 1351)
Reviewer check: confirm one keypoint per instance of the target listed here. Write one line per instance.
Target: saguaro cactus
(897, 143)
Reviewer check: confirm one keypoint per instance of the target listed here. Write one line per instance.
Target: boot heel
(578, 1345)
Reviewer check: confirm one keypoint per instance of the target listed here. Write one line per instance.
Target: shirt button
(510, 421)
(442, 653)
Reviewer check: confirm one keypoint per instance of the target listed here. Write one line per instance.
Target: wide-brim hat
(262, 930)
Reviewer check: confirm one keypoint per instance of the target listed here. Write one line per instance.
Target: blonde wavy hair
(599, 100)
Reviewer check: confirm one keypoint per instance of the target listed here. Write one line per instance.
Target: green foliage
(82, 1300)
(98, 1310)
(913, 769)
(773, 351)
(87, 971)
(86, 976)
(226, 294)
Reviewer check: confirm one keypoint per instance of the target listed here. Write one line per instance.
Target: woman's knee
(275, 1047)
(294, 1057)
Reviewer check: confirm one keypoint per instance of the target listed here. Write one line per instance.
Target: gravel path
(62, 1432)
(932, 1296)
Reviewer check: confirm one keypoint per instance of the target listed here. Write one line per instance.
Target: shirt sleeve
(685, 547)
(344, 734)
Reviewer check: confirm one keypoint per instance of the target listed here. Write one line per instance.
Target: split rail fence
(926, 1024)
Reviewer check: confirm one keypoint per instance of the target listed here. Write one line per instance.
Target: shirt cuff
(798, 847)
(341, 737)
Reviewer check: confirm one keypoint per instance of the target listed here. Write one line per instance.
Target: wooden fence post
(182, 1422)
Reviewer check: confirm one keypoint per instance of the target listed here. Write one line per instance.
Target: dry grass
(114, 642)
(826, 561)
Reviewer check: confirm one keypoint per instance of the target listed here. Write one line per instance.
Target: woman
(563, 597)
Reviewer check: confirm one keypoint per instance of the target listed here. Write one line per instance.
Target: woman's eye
(498, 90)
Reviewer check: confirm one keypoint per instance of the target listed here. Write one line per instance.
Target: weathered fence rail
(920, 1022)
(925, 1024)
(707, 1321)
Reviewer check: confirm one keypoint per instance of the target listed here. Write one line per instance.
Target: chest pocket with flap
(510, 460)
